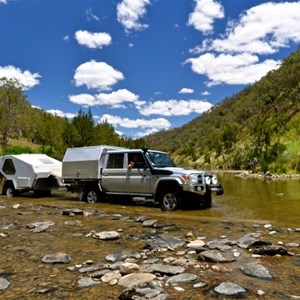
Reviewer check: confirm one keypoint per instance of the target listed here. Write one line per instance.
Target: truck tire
(169, 199)
(91, 195)
(9, 190)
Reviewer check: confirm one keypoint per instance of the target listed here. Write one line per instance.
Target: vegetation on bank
(257, 129)
(24, 129)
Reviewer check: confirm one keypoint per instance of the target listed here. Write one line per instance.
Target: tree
(13, 104)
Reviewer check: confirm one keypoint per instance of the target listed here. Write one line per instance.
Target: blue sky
(142, 65)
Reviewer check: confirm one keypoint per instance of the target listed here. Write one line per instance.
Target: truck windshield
(160, 159)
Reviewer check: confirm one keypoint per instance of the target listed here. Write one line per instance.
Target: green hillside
(258, 128)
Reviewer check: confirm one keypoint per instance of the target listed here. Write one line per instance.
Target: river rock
(271, 250)
(4, 283)
(219, 244)
(56, 258)
(216, 256)
(107, 235)
(86, 281)
(256, 270)
(164, 269)
(164, 241)
(72, 212)
(40, 226)
(196, 245)
(248, 239)
(121, 255)
(95, 267)
(108, 277)
(135, 279)
(230, 289)
(127, 268)
(184, 277)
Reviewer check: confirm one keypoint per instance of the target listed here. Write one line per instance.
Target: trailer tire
(9, 190)
(91, 195)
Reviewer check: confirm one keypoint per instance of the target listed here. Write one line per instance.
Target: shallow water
(245, 202)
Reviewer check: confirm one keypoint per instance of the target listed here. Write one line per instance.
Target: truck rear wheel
(91, 195)
(169, 199)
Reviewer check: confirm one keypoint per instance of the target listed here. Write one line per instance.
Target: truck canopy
(84, 162)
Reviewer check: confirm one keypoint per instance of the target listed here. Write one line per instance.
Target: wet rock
(149, 223)
(292, 245)
(164, 269)
(200, 284)
(56, 258)
(72, 212)
(184, 277)
(108, 277)
(216, 256)
(270, 250)
(86, 282)
(135, 279)
(256, 270)
(230, 289)
(164, 241)
(248, 239)
(127, 268)
(4, 284)
(40, 226)
(107, 235)
(219, 244)
(197, 245)
(92, 268)
(121, 255)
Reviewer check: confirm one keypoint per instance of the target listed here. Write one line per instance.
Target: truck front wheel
(169, 199)
(90, 195)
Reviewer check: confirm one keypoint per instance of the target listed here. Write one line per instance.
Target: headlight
(214, 180)
(193, 179)
(207, 180)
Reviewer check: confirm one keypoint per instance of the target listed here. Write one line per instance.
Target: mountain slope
(258, 128)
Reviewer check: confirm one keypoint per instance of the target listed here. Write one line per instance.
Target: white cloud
(66, 38)
(116, 99)
(205, 93)
(93, 39)
(130, 11)
(186, 91)
(231, 69)
(204, 14)
(3, 1)
(153, 124)
(97, 75)
(263, 29)
(60, 113)
(174, 107)
(25, 78)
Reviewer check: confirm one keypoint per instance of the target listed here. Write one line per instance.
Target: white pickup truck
(98, 172)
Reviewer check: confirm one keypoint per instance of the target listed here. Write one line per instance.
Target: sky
(142, 65)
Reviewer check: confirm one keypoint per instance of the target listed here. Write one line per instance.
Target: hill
(258, 128)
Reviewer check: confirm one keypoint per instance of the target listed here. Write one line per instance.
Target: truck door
(113, 174)
(138, 175)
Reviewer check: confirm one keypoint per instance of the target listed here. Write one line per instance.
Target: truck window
(136, 161)
(8, 167)
(115, 161)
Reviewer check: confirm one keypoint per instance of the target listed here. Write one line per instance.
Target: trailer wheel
(91, 195)
(9, 190)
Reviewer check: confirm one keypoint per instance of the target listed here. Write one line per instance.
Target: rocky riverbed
(53, 249)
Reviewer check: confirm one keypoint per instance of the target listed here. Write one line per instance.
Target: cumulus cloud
(130, 11)
(97, 75)
(60, 113)
(186, 91)
(27, 79)
(235, 57)
(231, 69)
(93, 39)
(204, 14)
(205, 93)
(116, 99)
(3, 1)
(263, 29)
(174, 107)
(157, 124)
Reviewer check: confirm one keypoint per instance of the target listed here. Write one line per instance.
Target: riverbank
(63, 249)
(264, 176)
